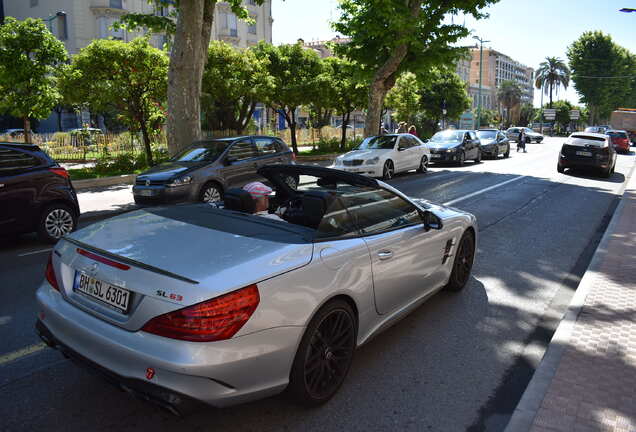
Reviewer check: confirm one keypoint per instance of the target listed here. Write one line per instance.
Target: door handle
(1, 185)
(384, 255)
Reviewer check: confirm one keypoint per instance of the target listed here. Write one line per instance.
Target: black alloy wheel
(462, 159)
(507, 153)
(478, 158)
(324, 355)
(463, 263)
(422, 168)
(210, 193)
(388, 171)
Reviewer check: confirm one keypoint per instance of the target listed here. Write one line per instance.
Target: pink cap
(257, 189)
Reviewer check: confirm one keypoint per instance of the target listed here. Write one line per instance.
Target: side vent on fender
(447, 250)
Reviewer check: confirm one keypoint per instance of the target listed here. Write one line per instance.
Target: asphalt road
(459, 362)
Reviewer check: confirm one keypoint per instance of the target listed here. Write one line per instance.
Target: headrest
(315, 205)
(239, 200)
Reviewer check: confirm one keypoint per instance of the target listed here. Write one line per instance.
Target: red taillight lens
(212, 320)
(60, 171)
(50, 273)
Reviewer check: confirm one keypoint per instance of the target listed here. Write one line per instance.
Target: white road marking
(481, 191)
(22, 352)
(35, 252)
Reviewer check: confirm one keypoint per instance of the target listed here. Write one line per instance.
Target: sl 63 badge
(171, 296)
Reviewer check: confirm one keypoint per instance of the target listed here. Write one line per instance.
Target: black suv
(36, 194)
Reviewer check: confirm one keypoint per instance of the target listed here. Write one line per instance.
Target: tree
(234, 81)
(527, 114)
(350, 90)
(294, 71)
(128, 77)
(190, 39)
(509, 95)
(29, 54)
(392, 36)
(599, 69)
(404, 98)
(443, 90)
(553, 73)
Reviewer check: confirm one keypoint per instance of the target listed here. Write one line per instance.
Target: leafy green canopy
(602, 73)
(130, 78)
(551, 74)
(404, 98)
(29, 54)
(234, 81)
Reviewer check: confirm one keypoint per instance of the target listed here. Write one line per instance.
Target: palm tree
(553, 72)
(509, 95)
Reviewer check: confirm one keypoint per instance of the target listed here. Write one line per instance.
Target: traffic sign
(549, 113)
(575, 115)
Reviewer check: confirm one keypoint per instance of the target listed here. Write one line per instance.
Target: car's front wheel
(507, 152)
(422, 168)
(324, 355)
(463, 263)
(210, 193)
(56, 221)
(388, 171)
(478, 158)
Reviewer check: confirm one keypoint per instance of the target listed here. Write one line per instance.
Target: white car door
(401, 154)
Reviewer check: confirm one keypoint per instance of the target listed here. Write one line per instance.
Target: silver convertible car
(196, 303)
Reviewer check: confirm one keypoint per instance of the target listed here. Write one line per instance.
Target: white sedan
(385, 155)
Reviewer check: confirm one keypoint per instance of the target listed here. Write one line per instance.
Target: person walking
(401, 128)
(521, 144)
(413, 130)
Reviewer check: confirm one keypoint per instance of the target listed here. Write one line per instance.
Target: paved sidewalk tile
(594, 387)
(105, 200)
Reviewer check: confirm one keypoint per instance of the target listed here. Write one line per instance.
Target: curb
(103, 181)
(526, 411)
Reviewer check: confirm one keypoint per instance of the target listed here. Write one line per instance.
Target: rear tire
(324, 355)
(56, 221)
(463, 263)
(478, 158)
(560, 169)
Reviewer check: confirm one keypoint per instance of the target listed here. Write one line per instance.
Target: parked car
(493, 143)
(513, 135)
(619, 139)
(385, 155)
(223, 306)
(203, 171)
(36, 194)
(588, 150)
(597, 129)
(455, 146)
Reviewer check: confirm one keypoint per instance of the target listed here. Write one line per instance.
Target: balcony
(108, 7)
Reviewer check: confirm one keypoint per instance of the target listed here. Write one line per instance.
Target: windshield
(617, 134)
(208, 152)
(487, 134)
(386, 142)
(447, 136)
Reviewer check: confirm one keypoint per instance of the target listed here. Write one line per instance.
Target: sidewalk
(587, 378)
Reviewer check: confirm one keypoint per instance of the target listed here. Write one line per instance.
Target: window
(62, 29)
(229, 23)
(34, 3)
(14, 161)
(378, 210)
(251, 29)
(241, 150)
(265, 146)
(116, 4)
(336, 222)
(473, 135)
(252, 2)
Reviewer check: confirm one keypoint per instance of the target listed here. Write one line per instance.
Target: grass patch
(91, 173)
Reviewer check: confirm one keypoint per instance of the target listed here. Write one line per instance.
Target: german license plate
(584, 153)
(435, 156)
(112, 295)
(146, 192)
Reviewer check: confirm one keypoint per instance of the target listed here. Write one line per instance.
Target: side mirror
(431, 221)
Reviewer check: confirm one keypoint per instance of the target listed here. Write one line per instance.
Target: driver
(260, 193)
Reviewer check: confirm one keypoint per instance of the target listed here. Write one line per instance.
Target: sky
(526, 30)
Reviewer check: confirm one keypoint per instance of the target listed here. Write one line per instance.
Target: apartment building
(497, 67)
(78, 22)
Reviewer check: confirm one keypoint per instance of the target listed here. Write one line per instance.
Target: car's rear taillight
(50, 273)
(59, 171)
(212, 320)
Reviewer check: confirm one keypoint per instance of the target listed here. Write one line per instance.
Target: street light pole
(481, 59)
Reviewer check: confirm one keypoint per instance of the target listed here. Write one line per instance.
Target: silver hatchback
(203, 171)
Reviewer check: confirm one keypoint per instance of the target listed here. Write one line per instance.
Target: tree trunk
(550, 96)
(27, 130)
(345, 123)
(384, 79)
(187, 60)
(59, 110)
(146, 138)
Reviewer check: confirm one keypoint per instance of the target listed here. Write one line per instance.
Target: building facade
(496, 68)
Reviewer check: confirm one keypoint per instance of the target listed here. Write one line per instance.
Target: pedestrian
(413, 130)
(521, 144)
(401, 128)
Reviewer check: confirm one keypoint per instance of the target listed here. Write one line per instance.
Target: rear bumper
(583, 162)
(219, 373)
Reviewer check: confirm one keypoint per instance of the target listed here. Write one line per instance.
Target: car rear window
(13, 161)
(588, 137)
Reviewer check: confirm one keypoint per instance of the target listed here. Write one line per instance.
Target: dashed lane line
(481, 191)
(35, 252)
